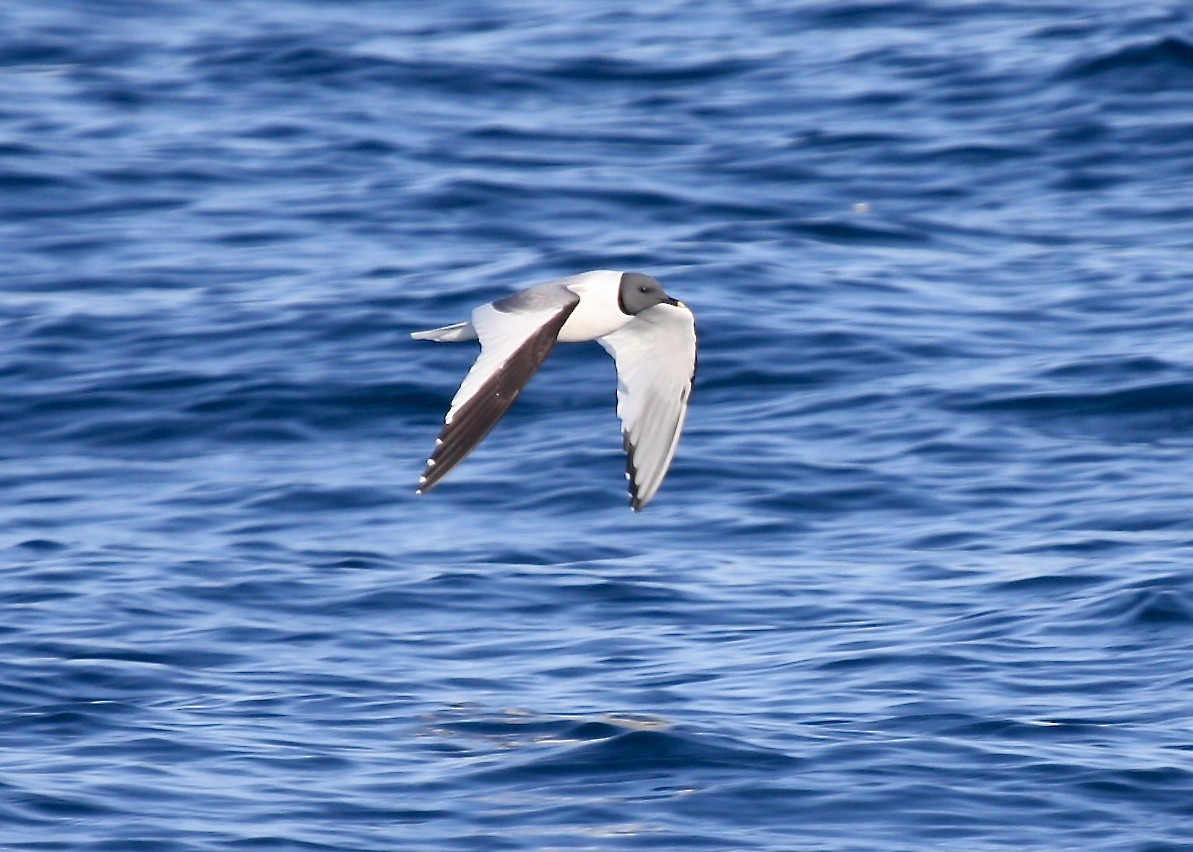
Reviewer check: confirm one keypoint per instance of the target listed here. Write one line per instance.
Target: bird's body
(651, 336)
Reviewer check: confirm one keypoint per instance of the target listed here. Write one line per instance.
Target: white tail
(457, 333)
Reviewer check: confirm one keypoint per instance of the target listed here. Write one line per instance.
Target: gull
(651, 337)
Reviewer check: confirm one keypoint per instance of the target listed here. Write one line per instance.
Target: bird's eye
(643, 289)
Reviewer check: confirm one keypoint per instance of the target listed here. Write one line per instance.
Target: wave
(1162, 64)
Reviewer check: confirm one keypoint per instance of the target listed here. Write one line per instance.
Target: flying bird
(651, 337)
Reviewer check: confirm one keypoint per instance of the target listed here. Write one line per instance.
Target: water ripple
(918, 577)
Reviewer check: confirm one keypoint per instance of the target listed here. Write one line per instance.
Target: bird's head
(637, 292)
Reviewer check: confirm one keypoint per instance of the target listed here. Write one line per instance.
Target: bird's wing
(516, 335)
(656, 364)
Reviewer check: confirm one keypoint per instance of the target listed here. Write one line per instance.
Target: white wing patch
(516, 334)
(501, 334)
(656, 364)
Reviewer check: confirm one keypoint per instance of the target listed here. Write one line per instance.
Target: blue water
(921, 577)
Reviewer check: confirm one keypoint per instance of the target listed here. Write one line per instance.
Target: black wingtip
(426, 482)
(477, 416)
(631, 474)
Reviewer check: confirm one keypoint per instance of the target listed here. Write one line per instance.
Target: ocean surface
(920, 578)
